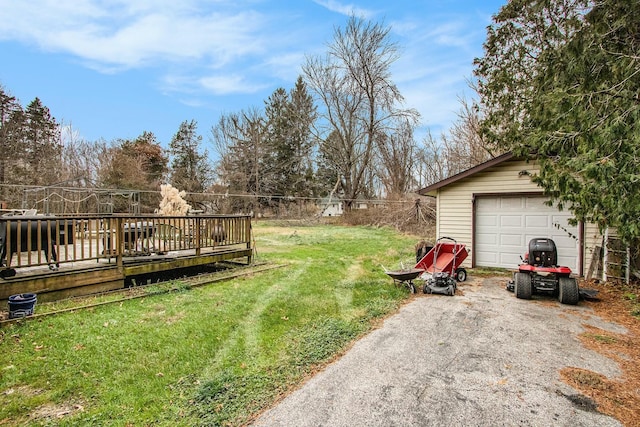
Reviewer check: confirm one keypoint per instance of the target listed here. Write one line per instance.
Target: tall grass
(213, 355)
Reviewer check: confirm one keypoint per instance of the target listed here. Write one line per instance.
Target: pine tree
(559, 82)
(190, 168)
(289, 118)
(10, 110)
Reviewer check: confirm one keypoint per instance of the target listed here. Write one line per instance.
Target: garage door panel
(568, 261)
(536, 203)
(538, 221)
(564, 243)
(488, 239)
(487, 259)
(510, 220)
(506, 224)
(510, 259)
(484, 220)
(511, 240)
(512, 203)
(487, 203)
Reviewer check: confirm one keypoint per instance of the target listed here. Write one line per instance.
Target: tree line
(342, 131)
(558, 82)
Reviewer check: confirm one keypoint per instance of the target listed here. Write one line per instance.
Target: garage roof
(431, 190)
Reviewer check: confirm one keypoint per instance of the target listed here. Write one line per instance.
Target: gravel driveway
(483, 358)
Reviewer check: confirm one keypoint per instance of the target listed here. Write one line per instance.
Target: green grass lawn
(212, 355)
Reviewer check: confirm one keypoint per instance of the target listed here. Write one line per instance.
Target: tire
(426, 289)
(412, 288)
(461, 275)
(523, 285)
(568, 292)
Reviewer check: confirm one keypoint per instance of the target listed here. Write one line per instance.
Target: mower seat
(543, 252)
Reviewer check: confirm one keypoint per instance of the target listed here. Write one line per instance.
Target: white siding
(592, 239)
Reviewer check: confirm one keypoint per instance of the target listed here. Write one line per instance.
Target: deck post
(119, 227)
(248, 236)
(198, 236)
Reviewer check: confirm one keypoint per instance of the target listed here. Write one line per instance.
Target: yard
(220, 353)
(211, 355)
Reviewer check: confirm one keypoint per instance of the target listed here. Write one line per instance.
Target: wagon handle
(448, 238)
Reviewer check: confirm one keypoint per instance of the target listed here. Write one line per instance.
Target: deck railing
(29, 241)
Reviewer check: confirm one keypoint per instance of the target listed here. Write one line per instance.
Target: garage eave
(432, 190)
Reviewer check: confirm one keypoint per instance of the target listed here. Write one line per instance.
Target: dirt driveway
(483, 358)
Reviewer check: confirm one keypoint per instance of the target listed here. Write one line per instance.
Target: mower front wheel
(568, 292)
(523, 285)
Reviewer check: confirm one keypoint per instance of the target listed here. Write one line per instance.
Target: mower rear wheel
(461, 275)
(568, 292)
(523, 285)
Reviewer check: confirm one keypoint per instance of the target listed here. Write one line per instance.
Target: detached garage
(495, 209)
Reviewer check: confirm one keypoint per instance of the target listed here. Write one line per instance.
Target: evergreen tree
(289, 120)
(190, 169)
(43, 146)
(559, 82)
(10, 110)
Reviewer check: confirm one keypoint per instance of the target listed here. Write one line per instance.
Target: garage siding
(455, 201)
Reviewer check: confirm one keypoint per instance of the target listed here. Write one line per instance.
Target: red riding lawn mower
(539, 273)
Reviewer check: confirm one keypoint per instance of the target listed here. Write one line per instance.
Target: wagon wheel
(412, 287)
(461, 275)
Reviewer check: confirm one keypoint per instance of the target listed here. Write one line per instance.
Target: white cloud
(345, 9)
(133, 34)
(192, 49)
(436, 61)
(229, 84)
(285, 66)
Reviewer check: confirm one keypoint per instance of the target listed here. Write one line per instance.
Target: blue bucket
(22, 305)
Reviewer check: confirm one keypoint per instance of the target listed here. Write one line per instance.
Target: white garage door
(504, 225)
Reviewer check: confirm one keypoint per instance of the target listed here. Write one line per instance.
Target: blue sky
(116, 68)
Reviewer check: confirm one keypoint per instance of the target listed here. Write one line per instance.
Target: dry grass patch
(51, 412)
(618, 397)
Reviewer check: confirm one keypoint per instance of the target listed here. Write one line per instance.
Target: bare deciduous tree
(464, 145)
(432, 162)
(397, 152)
(359, 101)
(457, 150)
(239, 139)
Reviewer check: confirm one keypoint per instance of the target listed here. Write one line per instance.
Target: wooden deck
(106, 252)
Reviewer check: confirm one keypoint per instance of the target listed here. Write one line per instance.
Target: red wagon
(445, 257)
